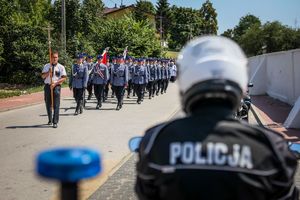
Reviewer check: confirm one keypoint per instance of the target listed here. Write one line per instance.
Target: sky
(230, 11)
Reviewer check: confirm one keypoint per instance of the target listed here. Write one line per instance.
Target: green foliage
(187, 23)
(209, 16)
(138, 36)
(142, 8)
(163, 17)
(256, 39)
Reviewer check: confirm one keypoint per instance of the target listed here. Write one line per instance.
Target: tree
(228, 33)
(91, 13)
(142, 8)
(245, 23)
(163, 18)
(252, 41)
(186, 24)
(209, 16)
(138, 36)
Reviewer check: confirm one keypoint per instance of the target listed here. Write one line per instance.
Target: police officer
(130, 66)
(152, 78)
(89, 64)
(208, 154)
(140, 79)
(78, 81)
(58, 77)
(106, 88)
(164, 77)
(159, 77)
(173, 72)
(100, 76)
(119, 80)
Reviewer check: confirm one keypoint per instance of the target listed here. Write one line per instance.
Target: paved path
(23, 133)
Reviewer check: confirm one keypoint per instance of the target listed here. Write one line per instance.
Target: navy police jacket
(79, 76)
(208, 155)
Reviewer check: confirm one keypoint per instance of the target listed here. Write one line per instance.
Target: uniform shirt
(58, 72)
(100, 74)
(89, 67)
(119, 75)
(79, 76)
(174, 70)
(158, 66)
(153, 73)
(140, 75)
(164, 72)
(130, 70)
(189, 158)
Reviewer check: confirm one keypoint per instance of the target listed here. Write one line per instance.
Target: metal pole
(63, 25)
(160, 29)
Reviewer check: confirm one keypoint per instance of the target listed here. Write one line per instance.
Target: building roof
(115, 9)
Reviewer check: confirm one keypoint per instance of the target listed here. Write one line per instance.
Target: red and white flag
(104, 56)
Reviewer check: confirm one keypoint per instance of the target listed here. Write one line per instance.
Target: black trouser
(162, 85)
(129, 87)
(151, 88)
(119, 90)
(139, 89)
(78, 95)
(166, 84)
(90, 88)
(158, 85)
(106, 89)
(56, 102)
(98, 90)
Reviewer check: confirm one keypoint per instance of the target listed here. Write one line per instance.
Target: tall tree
(163, 17)
(142, 8)
(209, 15)
(186, 24)
(245, 23)
(91, 13)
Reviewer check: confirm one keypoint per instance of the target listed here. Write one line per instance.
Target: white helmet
(211, 67)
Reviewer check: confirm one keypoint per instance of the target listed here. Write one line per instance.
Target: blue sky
(230, 11)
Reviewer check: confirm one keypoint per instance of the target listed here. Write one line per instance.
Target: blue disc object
(68, 164)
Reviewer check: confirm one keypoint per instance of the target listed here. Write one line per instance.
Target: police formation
(124, 77)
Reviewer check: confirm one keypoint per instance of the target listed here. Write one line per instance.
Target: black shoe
(54, 125)
(128, 97)
(161, 93)
(81, 110)
(76, 113)
(153, 95)
(112, 96)
(97, 107)
(89, 97)
(139, 102)
(49, 123)
(118, 108)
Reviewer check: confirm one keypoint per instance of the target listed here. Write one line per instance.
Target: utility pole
(161, 30)
(63, 25)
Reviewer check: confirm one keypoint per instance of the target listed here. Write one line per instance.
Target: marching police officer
(173, 72)
(119, 80)
(100, 76)
(140, 79)
(130, 66)
(152, 78)
(208, 154)
(58, 77)
(78, 81)
(159, 77)
(89, 64)
(106, 88)
(164, 77)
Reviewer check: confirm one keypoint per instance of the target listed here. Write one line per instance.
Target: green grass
(171, 54)
(10, 92)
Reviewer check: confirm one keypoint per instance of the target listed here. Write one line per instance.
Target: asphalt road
(23, 134)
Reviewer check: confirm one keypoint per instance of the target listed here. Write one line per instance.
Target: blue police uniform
(89, 88)
(159, 78)
(78, 81)
(100, 78)
(153, 76)
(130, 75)
(119, 79)
(140, 79)
(164, 78)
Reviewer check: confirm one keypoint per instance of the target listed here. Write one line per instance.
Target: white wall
(276, 74)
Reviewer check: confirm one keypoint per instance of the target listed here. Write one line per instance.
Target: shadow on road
(30, 126)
